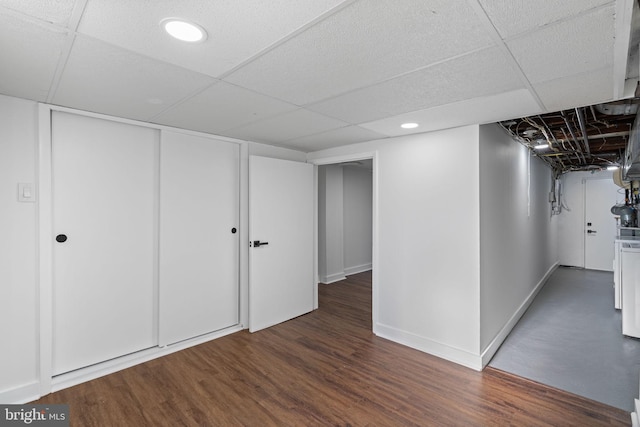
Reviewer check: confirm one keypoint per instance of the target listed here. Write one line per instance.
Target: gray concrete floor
(571, 338)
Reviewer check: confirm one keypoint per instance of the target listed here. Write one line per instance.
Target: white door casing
(281, 213)
(104, 195)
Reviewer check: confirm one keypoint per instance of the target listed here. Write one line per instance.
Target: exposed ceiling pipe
(610, 135)
(583, 129)
(549, 132)
(566, 138)
(573, 136)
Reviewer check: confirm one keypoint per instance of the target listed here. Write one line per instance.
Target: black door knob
(61, 238)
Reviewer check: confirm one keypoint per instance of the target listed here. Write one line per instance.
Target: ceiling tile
(220, 107)
(30, 55)
(333, 138)
(588, 88)
(286, 126)
(365, 43)
(478, 74)
(511, 17)
(488, 109)
(237, 29)
(53, 11)
(102, 78)
(570, 47)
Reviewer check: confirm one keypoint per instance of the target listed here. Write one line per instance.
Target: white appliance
(630, 263)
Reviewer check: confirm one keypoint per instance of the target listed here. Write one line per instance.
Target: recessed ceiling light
(409, 125)
(184, 30)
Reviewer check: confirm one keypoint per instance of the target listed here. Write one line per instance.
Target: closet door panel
(199, 213)
(104, 195)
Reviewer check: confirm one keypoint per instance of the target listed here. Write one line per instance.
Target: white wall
(322, 224)
(465, 238)
(518, 245)
(358, 225)
(258, 149)
(571, 221)
(427, 271)
(331, 229)
(18, 251)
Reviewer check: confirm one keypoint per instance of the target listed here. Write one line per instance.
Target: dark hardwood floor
(324, 368)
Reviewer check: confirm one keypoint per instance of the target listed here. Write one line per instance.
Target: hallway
(571, 338)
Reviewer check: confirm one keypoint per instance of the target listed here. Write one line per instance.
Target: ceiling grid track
(74, 22)
(499, 41)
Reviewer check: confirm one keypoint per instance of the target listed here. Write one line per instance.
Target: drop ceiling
(316, 74)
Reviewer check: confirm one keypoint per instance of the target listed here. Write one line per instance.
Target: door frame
(373, 156)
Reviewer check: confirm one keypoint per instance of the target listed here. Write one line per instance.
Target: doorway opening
(346, 223)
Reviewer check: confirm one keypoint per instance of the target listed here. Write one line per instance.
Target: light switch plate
(26, 192)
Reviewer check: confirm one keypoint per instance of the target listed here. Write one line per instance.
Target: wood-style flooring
(324, 368)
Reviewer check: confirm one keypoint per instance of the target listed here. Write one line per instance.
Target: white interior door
(199, 211)
(600, 224)
(281, 211)
(104, 195)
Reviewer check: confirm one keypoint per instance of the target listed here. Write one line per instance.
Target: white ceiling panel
(237, 29)
(303, 73)
(478, 74)
(30, 55)
(512, 17)
(54, 11)
(286, 126)
(101, 78)
(220, 107)
(570, 47)
(488, 109)
(588, 88)
(334, 138)
(364, 43)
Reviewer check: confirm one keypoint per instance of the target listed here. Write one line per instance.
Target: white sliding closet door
(104, 196)
(199, 213)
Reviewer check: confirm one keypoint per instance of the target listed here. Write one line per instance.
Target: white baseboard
(19, 395)
(348, 271)
(332, 278)
(105, 368)
(495, 344)
(456, 355)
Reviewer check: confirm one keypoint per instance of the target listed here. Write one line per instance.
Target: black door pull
(61, 238)
(258, 243)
